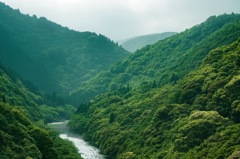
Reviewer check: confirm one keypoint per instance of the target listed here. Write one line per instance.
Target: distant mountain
(132, 44)
(176, 99)
(52, 57)
(166, 61)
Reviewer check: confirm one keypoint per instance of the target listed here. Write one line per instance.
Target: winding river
(84, 148)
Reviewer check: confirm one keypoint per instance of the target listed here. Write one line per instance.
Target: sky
(122, 19)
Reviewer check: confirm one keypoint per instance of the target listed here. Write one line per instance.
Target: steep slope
(135, 43)
(54, 58)
(17, 92)
(21, 138)
(12, 91)
(21, 134)
(166, 61)
(197, 117)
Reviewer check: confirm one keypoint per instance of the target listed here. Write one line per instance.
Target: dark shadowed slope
(21, 134)
(53, 57)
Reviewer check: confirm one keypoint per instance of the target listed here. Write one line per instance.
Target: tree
(4, 99)
(112, 118)
(174, 77)
(154, 84)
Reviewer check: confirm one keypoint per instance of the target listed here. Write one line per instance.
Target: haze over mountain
(134, 43)
(178, 98)
(126, 18)
(161, 62)
(52, 57)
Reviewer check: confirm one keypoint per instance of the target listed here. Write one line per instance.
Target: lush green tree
(52, 57)
(168, 60)
(4, 98)
(21, 135)
(194, 117)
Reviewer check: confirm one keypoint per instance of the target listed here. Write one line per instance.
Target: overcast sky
(121, 19)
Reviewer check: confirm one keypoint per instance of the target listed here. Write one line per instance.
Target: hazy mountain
(186, 105)
(166, 61)
(177, 98)
(132, 44)
(53, 57)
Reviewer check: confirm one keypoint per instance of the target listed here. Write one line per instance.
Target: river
(84, 148)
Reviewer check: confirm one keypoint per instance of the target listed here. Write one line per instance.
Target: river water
(84, 148)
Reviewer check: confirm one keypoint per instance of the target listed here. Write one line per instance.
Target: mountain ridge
(160, 62)
(138, 42)
(53, 57)
(197, 116)
(177, 98)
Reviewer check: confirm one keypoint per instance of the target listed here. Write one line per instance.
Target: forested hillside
(139, 42)
(166, 61)
(52, 57)
(38, 57)
(194, 117)
(15, 91)
(22, 131)
(177, 98)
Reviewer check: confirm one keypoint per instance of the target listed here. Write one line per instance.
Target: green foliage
(200, 126)
(111, 118)
(65, 149)
(20, 137)
(168, 60)
(43, 142)
(154, 105)
(194, 117)
(15, 93)
(57, 113)
(223, 144)
(16, 141)
(53, 57)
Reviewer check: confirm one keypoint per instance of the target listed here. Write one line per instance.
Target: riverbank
(86, 150)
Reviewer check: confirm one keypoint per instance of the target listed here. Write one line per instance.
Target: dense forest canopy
(23, 133)
(177, 98)
(39, 57)
(195, 117)
(166, 61)
(53, 57)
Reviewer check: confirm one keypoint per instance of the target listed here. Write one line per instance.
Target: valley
(85, 149)
(177, 97)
